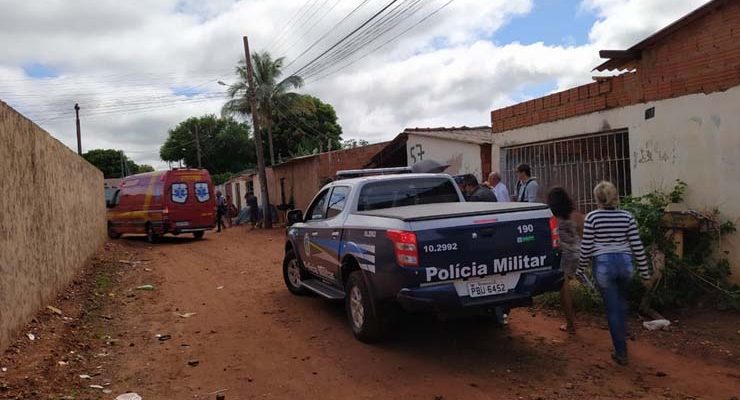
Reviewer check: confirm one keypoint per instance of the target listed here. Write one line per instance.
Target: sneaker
(621, 360)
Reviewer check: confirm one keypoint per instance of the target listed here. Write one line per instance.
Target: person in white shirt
(498, 187)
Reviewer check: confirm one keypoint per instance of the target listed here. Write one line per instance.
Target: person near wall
(562, 208)
(231, 211)
(611, 242)
(527, 187)
(476, 192)
(498, 187)
(251, 201)
(221, 209)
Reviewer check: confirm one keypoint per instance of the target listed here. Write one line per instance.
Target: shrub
(704, 271)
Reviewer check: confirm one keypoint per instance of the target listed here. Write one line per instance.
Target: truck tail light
(404, 245)
(554, 232)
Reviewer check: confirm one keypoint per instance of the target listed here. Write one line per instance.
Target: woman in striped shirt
(612, 242)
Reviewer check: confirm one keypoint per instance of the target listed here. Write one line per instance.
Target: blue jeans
(613, 273)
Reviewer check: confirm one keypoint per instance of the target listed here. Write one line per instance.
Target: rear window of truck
(406, 192)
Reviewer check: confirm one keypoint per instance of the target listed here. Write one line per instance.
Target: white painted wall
(694, 138)
(463, 157)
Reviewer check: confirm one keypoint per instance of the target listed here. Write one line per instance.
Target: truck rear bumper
(444, 297)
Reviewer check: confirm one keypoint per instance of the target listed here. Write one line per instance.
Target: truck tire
(112, 232)
(151, 236)
(293, 274)
(362, 312)
(198, 235)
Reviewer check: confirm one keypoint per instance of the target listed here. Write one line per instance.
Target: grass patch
(103, 282)
(584, 300)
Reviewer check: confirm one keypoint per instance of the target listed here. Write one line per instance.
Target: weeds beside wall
(52, 218)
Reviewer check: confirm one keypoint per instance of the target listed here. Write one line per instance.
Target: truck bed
(450, 210)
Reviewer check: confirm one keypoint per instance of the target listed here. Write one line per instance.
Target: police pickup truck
(411, 239)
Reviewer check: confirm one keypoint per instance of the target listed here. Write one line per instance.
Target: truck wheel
(367, 325)
(151, 237)
(293, 274)
(198, 235)
(112, 232)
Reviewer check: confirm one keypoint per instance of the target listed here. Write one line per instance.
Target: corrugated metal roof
(626, 59)
(475, 135)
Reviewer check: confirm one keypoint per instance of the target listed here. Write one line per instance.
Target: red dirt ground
(253, 340)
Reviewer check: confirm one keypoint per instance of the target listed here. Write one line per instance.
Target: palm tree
(273, 95)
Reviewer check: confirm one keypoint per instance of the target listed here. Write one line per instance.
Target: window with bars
(577, 164)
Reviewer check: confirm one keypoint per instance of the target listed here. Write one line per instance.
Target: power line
(330, 31)
(313, 26)
(385, 24)
(287, 25)
(345, 37)
(394, 38)
(299, 22)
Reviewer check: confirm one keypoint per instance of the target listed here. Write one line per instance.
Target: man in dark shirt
(475, 191)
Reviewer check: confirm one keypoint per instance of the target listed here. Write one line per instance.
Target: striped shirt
(612, 231)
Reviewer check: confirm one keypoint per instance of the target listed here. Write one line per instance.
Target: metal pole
(123, 170)
(79, 140)
(197, 145)
(266, 214)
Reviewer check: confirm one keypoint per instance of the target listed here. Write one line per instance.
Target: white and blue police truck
(376, 239)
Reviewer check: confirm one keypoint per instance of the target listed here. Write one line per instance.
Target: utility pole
(79, 141)
(123, 167)
(266, 213)
(197, 145)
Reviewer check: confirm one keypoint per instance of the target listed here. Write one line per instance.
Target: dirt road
(252, 339)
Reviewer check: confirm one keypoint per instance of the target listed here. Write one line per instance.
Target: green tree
(114, 163)
(225, 144)
(144, 168)
(273, 94)
(310, 128)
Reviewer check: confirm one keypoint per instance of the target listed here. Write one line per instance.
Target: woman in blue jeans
(612, 243)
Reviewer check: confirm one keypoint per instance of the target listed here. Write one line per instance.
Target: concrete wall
(463, 157)
(52, 218)
(695, 138)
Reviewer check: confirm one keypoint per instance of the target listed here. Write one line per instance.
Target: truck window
(180, 192)
(337, 201)
(317, 209)
(201, 192)
(406, 192)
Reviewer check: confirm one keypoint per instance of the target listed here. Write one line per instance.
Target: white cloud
(625, 22)
(115, 56)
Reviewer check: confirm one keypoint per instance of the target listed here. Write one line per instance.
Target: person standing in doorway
(527, 188)
(476, 192)
(220, 210)
(611, 242)
(562, 208)
(498, 187)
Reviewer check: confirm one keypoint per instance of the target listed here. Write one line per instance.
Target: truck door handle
(314, 234)
(335, 235)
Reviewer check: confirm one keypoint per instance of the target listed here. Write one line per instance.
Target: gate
(577, 164)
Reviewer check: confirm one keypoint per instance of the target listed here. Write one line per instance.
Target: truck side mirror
(295, 216)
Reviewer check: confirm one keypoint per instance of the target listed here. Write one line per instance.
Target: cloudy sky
(138, 67)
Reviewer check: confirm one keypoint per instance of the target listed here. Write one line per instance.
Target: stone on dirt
(129, 396)
(54, 310)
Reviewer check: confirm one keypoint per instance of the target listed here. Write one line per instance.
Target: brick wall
(304, 177)
(702, 57)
